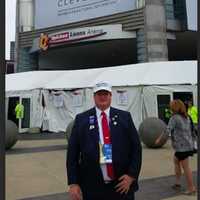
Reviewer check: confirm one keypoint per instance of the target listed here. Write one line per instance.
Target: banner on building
(94, 33)
(57, 12)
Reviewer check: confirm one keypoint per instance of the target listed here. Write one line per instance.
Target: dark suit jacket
(83, 150)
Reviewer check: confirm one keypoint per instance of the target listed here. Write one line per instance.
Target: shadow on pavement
(41, 136)
(60, 196)
(160, 188)
(36, 149)
(38, 136)
(150, 189)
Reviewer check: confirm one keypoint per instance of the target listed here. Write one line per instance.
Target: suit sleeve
(136, 156)
(73, 155)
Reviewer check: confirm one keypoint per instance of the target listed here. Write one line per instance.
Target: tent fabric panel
(155, 73)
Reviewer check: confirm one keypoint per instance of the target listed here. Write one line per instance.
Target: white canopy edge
(154, 73)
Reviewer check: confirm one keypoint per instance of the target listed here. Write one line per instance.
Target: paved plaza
(35, 170)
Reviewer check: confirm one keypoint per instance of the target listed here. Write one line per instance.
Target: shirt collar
(98, 112)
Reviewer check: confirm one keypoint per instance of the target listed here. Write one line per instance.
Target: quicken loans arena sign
(68, 37)
(104, 32)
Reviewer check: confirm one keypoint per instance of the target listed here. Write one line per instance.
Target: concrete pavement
(35, 170)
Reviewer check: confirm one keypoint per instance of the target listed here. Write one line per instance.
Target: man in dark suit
(104, 152)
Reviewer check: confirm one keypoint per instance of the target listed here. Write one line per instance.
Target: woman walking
(182, 142)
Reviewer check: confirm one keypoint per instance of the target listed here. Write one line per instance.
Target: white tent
(57, 96)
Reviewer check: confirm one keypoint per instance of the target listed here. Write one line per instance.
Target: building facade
(10, 64)
(77, 34)
(10, 67)
(12, 50)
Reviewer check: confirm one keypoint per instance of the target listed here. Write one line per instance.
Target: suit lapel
(94, 132)
(93, 126)
(113, 121)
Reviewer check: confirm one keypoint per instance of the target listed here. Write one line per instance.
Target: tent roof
(154, 73)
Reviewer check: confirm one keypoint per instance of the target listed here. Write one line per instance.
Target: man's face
(102, 99)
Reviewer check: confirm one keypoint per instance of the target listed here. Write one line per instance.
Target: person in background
(182, 142)
(193, 113)
(104, 152)
(19, 111)
(168, 114)
(193, 126)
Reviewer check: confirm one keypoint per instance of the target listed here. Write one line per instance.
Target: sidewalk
(35, 170)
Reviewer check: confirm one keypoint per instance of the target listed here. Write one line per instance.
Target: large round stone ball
(69, 129)
(153, 132)
(11, 136)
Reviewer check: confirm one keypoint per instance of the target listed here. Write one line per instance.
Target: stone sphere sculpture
(69, 129)
(153, 132)
(11, 136)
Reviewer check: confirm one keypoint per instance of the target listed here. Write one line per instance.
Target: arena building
(79, 34)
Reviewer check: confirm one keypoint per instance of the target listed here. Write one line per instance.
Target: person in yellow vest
(167, 114)
(19, 110)
(193, 113)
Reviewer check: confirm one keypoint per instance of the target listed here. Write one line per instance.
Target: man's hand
(124, 184)
(75, 192)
